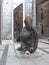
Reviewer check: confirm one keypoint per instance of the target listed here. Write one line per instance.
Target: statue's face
(28, 22)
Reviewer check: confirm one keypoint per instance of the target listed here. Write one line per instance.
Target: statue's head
(28, 22)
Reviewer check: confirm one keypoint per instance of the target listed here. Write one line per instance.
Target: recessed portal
(18, 20)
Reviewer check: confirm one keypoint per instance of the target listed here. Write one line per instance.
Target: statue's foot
(28, 52)
(22, 51)
(19, 49)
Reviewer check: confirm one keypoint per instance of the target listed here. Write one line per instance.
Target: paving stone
(46, 58)
(24, 62)
(4, 56)
(12, 60)
(11, 51)
(2, 47)
(1, 52)
(42, 45)
(40, 62)
(37, 58)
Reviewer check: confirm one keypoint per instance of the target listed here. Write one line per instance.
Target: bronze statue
(28, 36)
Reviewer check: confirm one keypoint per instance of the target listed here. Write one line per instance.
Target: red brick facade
(45, 7)
(45, 22)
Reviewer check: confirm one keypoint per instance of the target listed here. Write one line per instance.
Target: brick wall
(45, 7)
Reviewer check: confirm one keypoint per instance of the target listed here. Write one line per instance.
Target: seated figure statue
(28, 37)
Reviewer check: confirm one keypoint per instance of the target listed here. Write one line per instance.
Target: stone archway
(18, 21)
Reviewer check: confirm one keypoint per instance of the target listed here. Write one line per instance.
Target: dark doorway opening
(42, 31)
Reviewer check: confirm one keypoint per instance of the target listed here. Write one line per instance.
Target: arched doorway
(18, 21)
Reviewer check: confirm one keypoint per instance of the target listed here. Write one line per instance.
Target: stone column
(30, 10)
(34, 13)
(7, 19)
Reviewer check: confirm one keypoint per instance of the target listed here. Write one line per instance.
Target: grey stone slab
(40, 62)
(44, 50)
(12, 60)
(41, 52)
(36, 60)
(11, 57)
(11, 51)
(42, 45)
(4, 56)
(47, 49)
(27, 62)
(46, 58)
(1, 52)
(44, 41)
